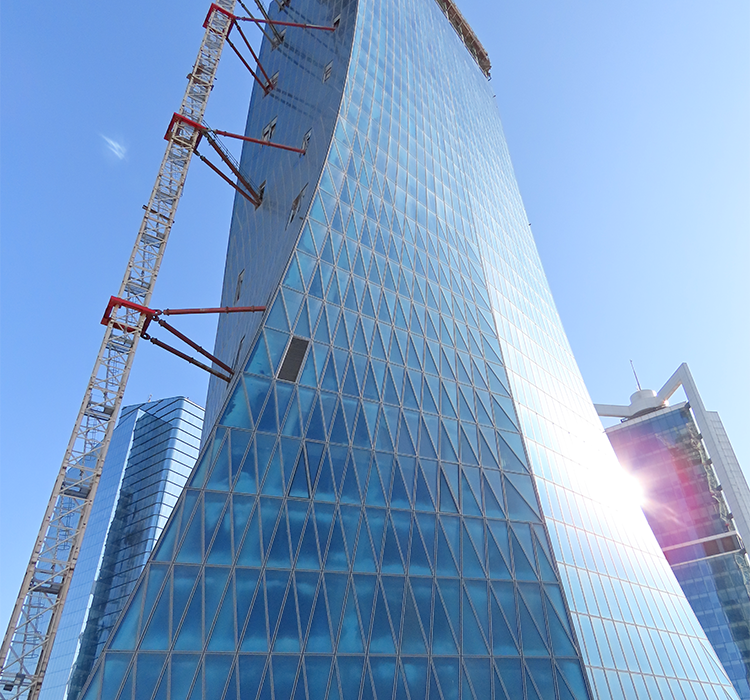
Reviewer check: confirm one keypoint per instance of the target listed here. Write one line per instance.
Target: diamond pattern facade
(367, 527)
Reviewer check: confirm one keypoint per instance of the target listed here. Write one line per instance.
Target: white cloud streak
(117, 149)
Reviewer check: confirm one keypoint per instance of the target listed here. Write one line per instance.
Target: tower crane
(28, 641)
(36, 615)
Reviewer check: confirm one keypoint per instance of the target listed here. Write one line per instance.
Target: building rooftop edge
(646, 415)
(470, 39)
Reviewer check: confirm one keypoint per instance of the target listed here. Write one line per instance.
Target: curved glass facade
(407, 493)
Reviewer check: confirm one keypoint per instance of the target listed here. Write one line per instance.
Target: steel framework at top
(27, 644)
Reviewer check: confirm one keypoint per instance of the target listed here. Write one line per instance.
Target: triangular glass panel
(392, 562)
(350, 641)
(523, 484)
(319, 638)
(531, 639)
(510, 460)
(336, 558)
(473, 639)
(472, 565)
(279, 555)
(223, 635)
(523, 568)
(308, 557)
(287, 635)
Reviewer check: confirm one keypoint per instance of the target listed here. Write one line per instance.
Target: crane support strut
(243, 184)
(154, 315)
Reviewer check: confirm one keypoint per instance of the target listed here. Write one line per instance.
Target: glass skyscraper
(688, 508)
(153, 450)
(405, 492)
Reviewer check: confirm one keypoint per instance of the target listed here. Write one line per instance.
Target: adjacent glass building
(688, 508)
(405, 493)
(153, 450)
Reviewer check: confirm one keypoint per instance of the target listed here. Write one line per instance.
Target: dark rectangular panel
(295, 353)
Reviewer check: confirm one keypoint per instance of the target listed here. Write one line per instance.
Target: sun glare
(632, 489)
(621, 488)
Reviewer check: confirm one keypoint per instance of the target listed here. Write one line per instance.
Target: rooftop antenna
(632, 366)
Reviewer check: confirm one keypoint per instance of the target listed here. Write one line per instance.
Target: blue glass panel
(318, 669)
(213, 508)
(114, 672)
(258, 364)
(319, 638)
(251, 553)
(220, 551)
(499, 568)
(147, 671)
(223, 637)
(287, 635)
(350, 674)
(156, 575)
(573, 675)
(531, 638)
(479, 673)
(284, 673)
(125, 635)
(276, 586)
(472, 639)
(231, 692)
(266, 689)
(190, 636)
(448, 669)
(245, 581)
(412, 639)
(335, 589)
(393, 587)
(236, 413)
(157, 635)
(308, 557)
(183, 668)
(215, 581)
(350, 639)
(250, 674)
(240, 440)
(216, 671)
(510, 675)
(255, 637)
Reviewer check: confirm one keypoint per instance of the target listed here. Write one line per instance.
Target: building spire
(632, 366)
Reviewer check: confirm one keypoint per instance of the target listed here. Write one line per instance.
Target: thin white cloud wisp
(117, 149)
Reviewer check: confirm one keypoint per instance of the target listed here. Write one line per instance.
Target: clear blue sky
(628, 125)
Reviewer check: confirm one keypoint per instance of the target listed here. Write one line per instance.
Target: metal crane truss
(36, 615)
(28, 641)
(151, 315)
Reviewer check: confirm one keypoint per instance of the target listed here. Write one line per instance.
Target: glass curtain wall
(405, 494)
